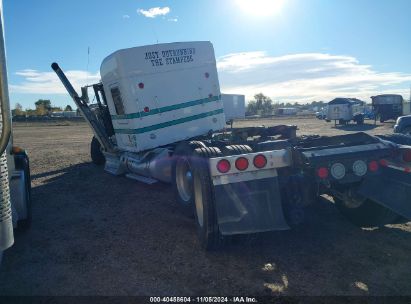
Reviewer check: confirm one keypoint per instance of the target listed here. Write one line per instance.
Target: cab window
(118, 101)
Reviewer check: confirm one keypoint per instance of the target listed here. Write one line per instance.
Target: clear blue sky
(304, 50)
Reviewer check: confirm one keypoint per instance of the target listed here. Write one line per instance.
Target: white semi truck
(159, 117)
(15, 183)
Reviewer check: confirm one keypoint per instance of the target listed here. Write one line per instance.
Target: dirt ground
(97, 234)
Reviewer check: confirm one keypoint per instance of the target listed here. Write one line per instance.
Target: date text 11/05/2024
(203, 300)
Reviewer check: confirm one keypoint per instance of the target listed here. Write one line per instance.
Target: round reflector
(406, 155)
(373, 166)
(141, 85)
(359, 167)
(241, 163)
(260, 161)
(223, 166)
(322, 172)
(338, 170)
(146, 109)
(383, 162)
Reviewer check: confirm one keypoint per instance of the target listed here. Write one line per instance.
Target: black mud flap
(392, 190)
(249, 207)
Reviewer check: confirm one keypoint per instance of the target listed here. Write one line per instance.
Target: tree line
(260, 105)
(263, 105)
(43, 107)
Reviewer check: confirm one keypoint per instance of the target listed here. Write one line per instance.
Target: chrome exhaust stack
(155, 164)
(96, 126)
(6, 224)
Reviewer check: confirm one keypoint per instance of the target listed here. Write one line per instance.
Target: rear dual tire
(182, 173)
(194, 191)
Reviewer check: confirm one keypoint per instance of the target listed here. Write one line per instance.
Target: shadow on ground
(355, 127)
(97, 234)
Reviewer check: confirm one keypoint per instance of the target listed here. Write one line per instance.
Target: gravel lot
(97, 234)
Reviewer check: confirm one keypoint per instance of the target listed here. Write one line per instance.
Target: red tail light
(383, 162)
(322, 172)
(373, 166)
(241, 163)
(223, 166)
(146, 109)
(406, 155)
(260, 161)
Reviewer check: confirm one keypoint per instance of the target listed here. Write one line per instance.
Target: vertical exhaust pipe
(6, 224)
(96, 126)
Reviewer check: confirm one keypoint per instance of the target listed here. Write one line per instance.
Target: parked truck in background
(15, 183)
(389, 106)
(160, 117)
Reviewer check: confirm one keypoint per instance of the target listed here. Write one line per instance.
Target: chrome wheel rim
(184, 179)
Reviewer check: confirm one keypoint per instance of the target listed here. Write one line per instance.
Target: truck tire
(96, 154)
(182, 175)
(206, 214)
(21, 162)
(236, 150)
(359, 119)
(367, 214)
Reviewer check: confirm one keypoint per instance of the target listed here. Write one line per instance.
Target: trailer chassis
(256, 179)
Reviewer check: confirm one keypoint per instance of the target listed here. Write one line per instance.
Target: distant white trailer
(287, 111)
(65, 114)
(234, 106)
(344, 110)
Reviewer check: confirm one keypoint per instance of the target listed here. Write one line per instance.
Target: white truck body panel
(234, 106)
(339, 111)
(163, 93)
(345, 111)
